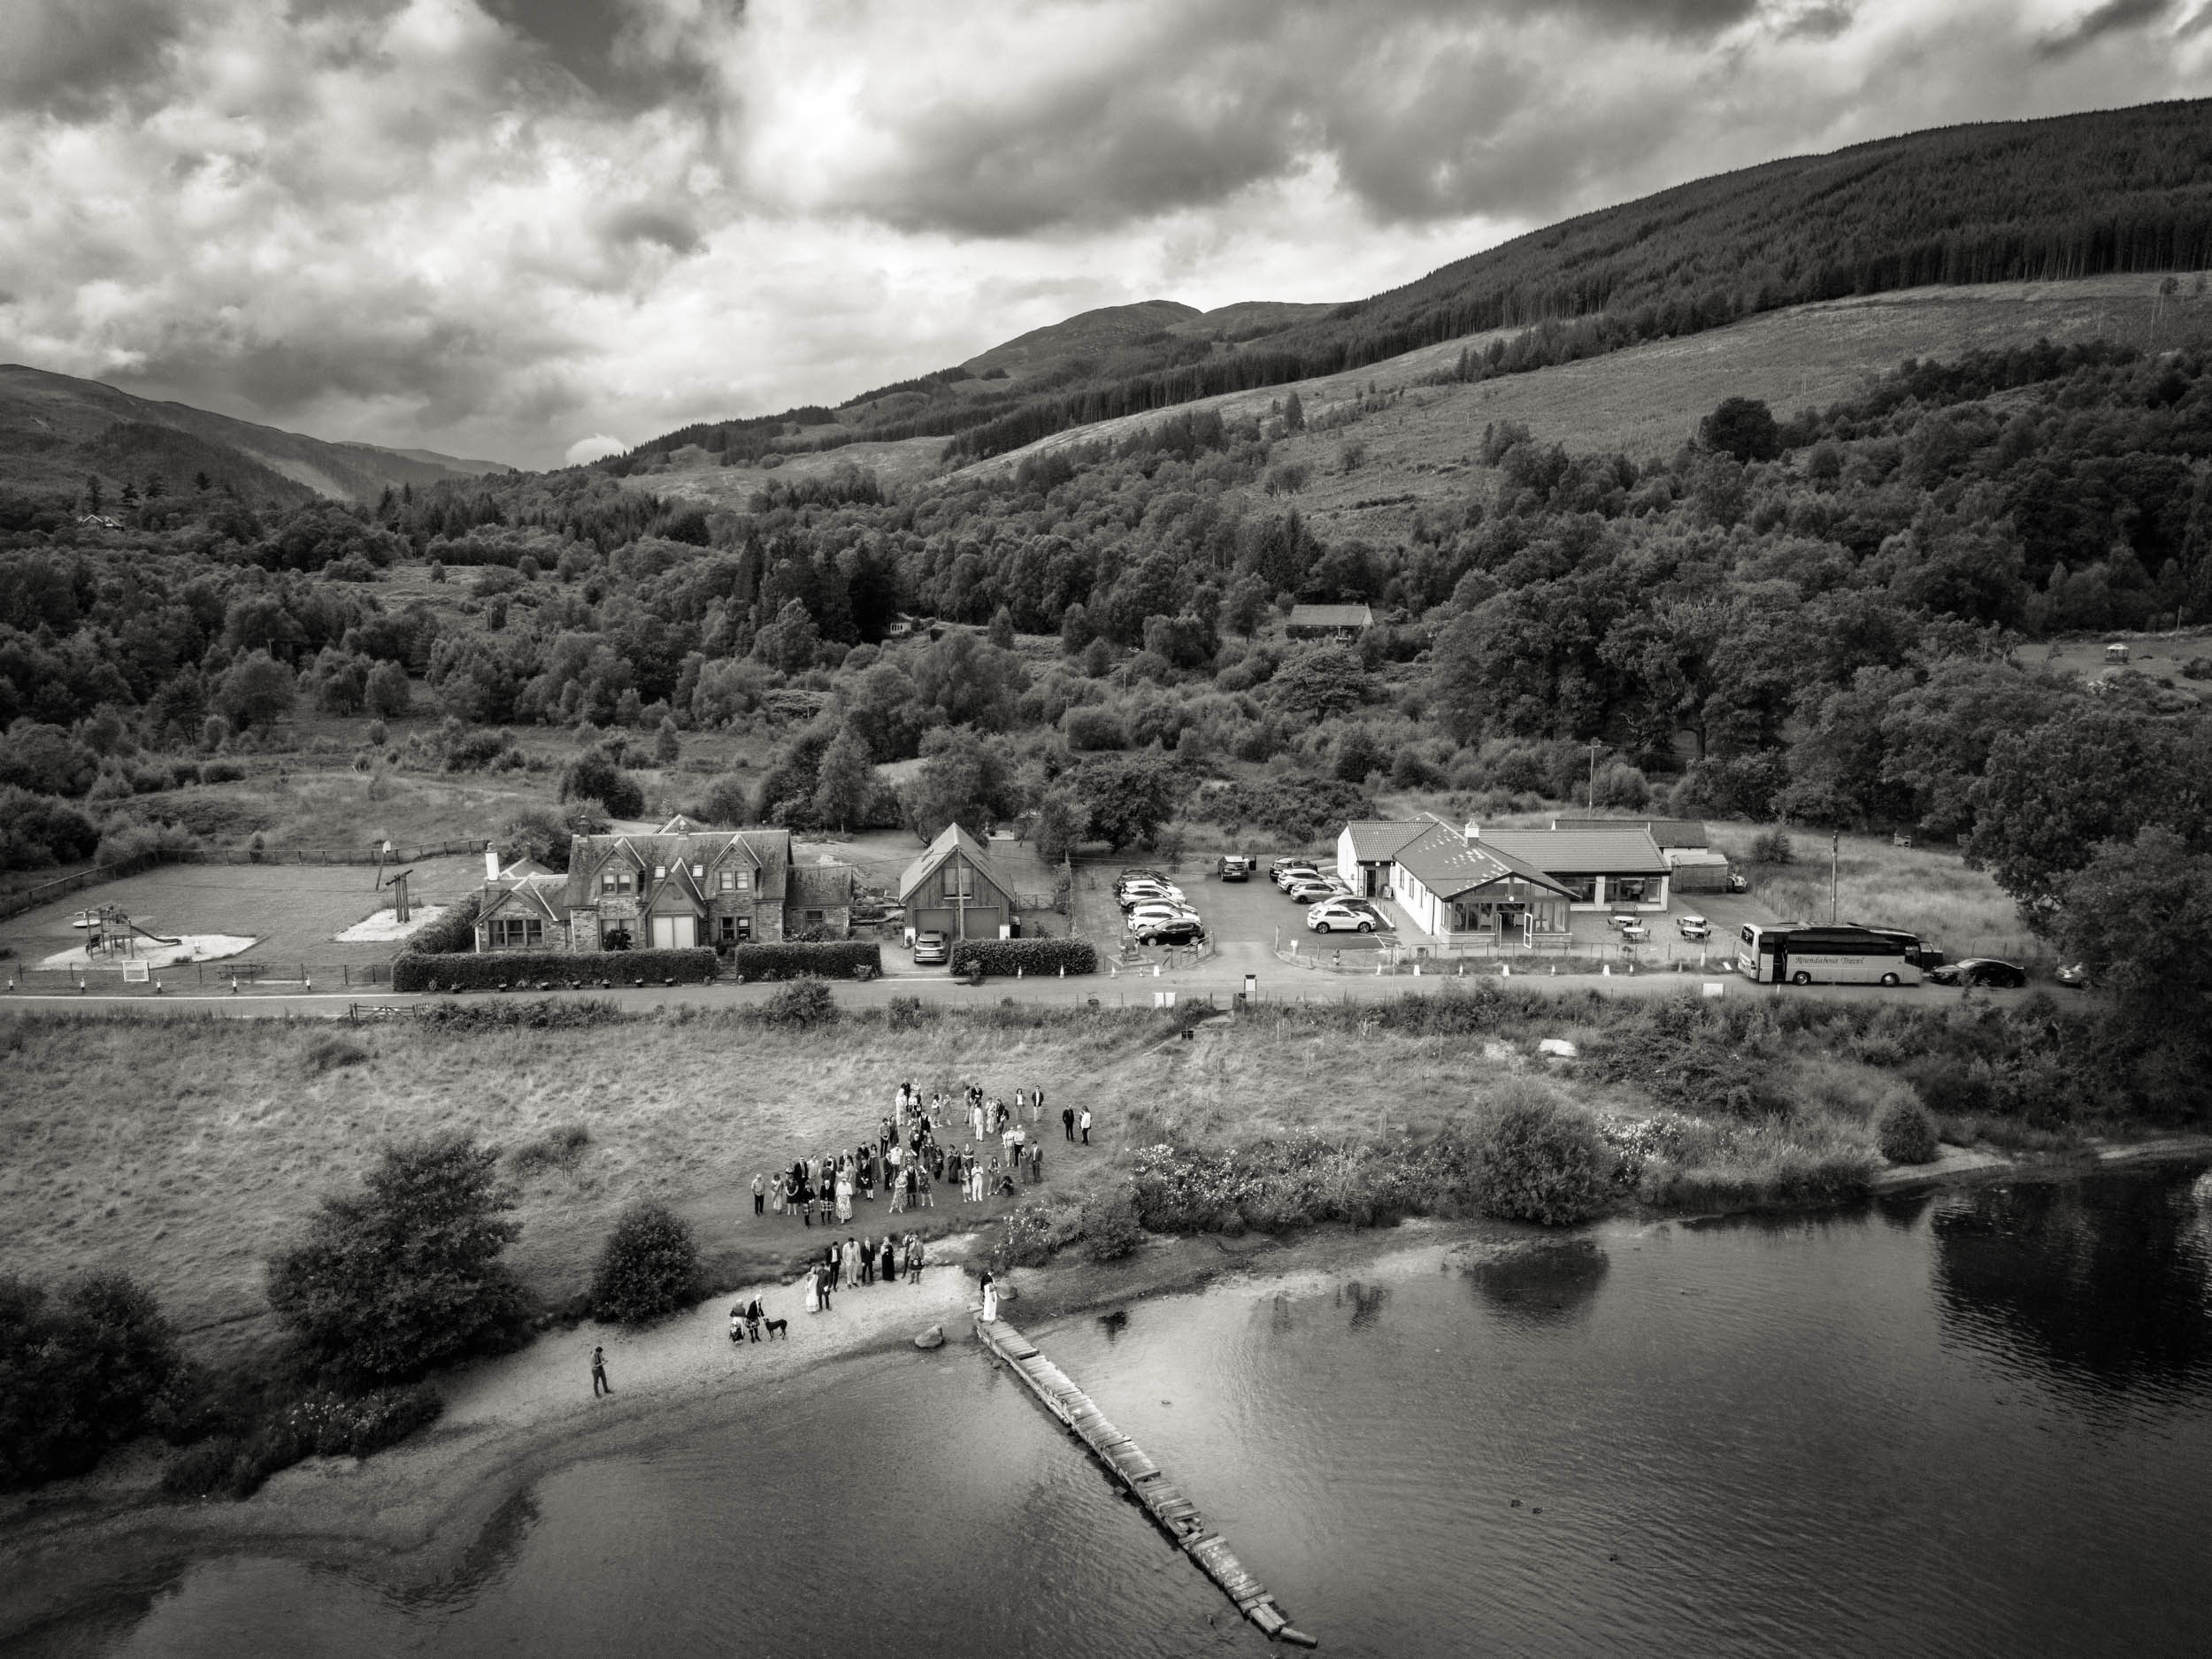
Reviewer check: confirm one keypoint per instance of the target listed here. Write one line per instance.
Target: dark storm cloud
(2113, 17)
(65, 56)
(1426, 108)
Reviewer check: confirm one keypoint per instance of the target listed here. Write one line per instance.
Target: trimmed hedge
(451, 933)
(831, 959)
(527, 969)
(1032, 956)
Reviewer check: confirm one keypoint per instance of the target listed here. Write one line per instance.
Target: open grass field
(189, 1161)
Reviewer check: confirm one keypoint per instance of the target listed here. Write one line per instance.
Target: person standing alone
(599, 1383)
(760, 1195)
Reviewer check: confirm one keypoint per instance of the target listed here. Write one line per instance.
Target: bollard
(1156, 970)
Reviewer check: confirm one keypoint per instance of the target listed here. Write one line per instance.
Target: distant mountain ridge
(56, 429)
(2102, 193)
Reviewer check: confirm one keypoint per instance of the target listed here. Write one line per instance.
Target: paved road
(1220, 979)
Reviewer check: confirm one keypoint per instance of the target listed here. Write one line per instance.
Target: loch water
(1961, 1423)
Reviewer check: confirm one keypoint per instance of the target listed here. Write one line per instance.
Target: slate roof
(1627, 850)
(539, 893)
(1448, 864)
(1375, 840)
(1665, 831)
(1330, 617)
(949, 839)
(767, 852)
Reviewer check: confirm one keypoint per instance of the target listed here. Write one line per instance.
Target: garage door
(673, 933)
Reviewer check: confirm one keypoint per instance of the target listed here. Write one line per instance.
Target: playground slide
(156, 938)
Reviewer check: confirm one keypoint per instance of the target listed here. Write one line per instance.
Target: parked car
(1335, 916)
(1283, 872)
(931, 947)
(1238, 866)
(1149, 915)
(2073, 976)
(1186, 929)
(1736, 884)
(2005, 976)
(1312, 890)
(1146, 893)
(1692, 928)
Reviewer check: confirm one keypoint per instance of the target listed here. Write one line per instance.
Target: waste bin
(1236, 1001)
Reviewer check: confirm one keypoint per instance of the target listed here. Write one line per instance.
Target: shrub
(1110, 1229)
(455, 931)
(803, 1003)
(906, 1013)
(1032, 956)
(1906, 1133)
(1093, 728)
(1537, 1160)
(593, 777)
(2197, 668)
(649, 1265)
(77, 1374)
(406, 1274)
(326, 1051)
(37, 830)
(222, 771)
(1772, 847)
(1032, 1236)
(523, 969)
(826, 959)
(580, 1013)
(321, 1424)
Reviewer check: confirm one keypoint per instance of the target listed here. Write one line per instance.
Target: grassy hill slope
(1418, 449)
(54, 429)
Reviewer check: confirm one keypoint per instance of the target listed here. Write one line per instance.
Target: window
(698, 872)
(729, 930)
(1627, 889)
(814, 918)
(660, 873)
(616, 880)
(959, 883)
(732, 881)
(517, 932)
(1585, 888)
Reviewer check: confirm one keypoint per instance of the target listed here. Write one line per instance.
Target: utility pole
(1591, 804)
(1835, 841)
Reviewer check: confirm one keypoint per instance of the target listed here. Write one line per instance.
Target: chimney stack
(1474, 830)
(491, 864)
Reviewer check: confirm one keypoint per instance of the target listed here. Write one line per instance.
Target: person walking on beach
(1085, 1124)
(1067, 1121)
(599, 1383)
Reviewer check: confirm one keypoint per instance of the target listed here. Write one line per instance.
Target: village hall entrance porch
(1481, 923)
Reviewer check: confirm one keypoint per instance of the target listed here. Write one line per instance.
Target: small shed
(1696, 869)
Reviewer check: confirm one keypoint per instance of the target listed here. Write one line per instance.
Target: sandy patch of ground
(188, 947)
(381, 928)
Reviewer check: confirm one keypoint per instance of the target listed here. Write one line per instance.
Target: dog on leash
(778, 1328)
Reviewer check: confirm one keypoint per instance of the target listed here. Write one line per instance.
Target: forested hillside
(2125, 190)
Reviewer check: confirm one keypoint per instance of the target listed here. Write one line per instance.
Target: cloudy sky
(531, 229)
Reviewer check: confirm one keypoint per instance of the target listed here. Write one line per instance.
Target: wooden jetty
(1175, 1515)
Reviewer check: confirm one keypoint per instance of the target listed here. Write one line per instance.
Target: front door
(673, 932)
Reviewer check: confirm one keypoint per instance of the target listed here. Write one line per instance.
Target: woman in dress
(990, 1299)
(844, 1196)
(813, 1300)
(852, 1264)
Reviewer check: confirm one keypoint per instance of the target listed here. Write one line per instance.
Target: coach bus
(1799, 954)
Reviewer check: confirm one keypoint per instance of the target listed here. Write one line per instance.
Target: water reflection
(1549, 1280)
(2105, 1281)
(1367, 1300)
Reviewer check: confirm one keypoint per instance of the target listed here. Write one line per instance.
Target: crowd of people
(910, 1159)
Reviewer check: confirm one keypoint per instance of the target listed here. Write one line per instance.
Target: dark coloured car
(1238, 866)
(1188, 930)
(1982, 970)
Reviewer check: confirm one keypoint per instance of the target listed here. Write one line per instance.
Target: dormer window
(660, 873)
(616, 880)
(698, 872)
